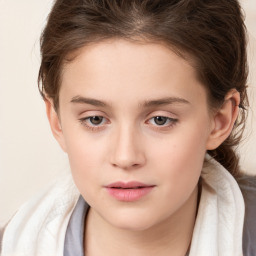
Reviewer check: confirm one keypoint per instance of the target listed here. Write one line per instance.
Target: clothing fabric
(219, 224)
(248, 187)
(39, 227)
(43, 226)
(74, 239)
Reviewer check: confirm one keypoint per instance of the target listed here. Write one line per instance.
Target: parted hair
(211, 33)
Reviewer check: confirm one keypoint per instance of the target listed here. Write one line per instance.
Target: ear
(224, 119)
(55, 123)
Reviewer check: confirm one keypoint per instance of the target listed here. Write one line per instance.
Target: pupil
(96, 120)
(160, 120)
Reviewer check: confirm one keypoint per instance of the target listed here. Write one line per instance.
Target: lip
(128, 191)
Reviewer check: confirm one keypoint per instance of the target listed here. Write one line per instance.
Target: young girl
(148, 99)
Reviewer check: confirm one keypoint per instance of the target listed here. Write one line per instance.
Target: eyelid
(170, 118)
(163, 114)
(89, 117)
(84, 121)
(91, 112)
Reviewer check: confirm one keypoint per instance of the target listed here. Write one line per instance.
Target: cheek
(81, 154)
(85, 157)
(85, 167)
(179, 159)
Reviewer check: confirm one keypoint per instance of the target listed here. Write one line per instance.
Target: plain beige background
(29, 156)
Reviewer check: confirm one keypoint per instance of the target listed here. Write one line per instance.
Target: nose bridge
(127, 150)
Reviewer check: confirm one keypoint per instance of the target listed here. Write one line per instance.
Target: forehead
(128, 51)
(129, 69)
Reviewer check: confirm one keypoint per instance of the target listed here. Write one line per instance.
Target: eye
(93, 122)
(162, 121)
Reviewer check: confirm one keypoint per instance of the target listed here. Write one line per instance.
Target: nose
(127, 149)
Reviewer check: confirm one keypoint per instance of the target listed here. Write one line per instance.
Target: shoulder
(247, 185)
(42, 221)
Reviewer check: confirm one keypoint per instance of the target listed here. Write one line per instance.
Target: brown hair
(211, 32)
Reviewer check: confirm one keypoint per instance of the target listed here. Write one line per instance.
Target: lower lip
(129, 195)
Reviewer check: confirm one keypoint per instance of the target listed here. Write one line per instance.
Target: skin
(128, 85)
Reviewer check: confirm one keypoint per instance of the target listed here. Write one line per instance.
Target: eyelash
(170, 122)
(84, 121)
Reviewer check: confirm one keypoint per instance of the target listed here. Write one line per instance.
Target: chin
(133, 226)
(134, 221)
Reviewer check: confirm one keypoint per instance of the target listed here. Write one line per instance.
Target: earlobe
(54, 122)
(224, 120)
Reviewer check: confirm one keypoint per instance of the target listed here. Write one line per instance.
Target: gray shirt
(75, 232)
(74, 239)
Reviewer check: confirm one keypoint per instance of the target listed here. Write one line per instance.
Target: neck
(170, 237)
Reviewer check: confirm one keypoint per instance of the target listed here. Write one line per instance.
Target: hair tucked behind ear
(211, 33)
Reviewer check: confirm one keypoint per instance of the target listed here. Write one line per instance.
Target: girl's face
(136, 125)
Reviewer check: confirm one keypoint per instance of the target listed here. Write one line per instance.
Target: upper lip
(131, 184)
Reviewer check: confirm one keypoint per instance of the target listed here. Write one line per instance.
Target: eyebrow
(165, 101)
(90, 101)
(146, 104)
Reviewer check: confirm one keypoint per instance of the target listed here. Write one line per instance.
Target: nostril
(126, 152)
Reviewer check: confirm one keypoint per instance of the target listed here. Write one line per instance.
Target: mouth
(130, 191)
